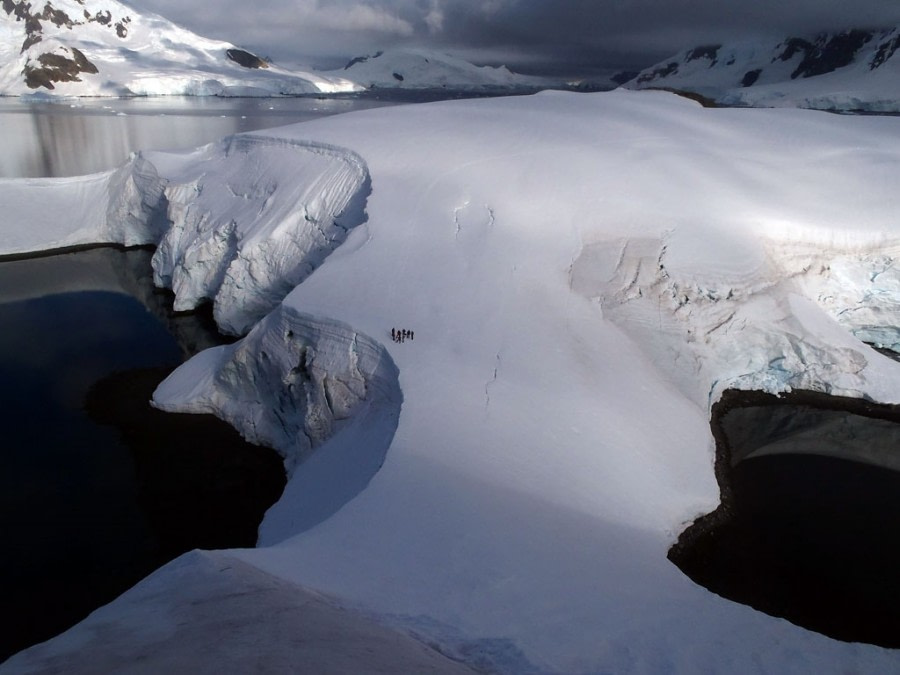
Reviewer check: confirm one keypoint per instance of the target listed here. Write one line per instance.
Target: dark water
(97, 489)
(809, 527)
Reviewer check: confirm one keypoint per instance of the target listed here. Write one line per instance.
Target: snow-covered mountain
(409, 68)
(105, 48)
(849, 70)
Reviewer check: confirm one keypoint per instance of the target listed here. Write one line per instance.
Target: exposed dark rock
(82, 62)
(56, 16)
(792, 46)
(32, 39)
(885, 51)
(104, 18)
(57, 68)
(362, 59)
(663, 71)
(710, 52)
(398, 77)
(121, 30)
(831, 53)
(625, 76)
(245, 59)
(705, 101)
(750, 77)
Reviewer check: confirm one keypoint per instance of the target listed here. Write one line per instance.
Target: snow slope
(851, 70)
(584, 274)
(221, 595)
(411, 68)
(105, 48)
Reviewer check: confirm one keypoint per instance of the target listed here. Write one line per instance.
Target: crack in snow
(492, 380)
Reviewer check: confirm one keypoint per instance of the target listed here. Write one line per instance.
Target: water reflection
(55, 139)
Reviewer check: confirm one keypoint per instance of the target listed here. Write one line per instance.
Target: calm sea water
(86, 135)
(90, 135)
(97, 489)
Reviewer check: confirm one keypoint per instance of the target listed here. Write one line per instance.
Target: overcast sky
(555, 36)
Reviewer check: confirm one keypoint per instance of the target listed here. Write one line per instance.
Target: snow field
(584, 274)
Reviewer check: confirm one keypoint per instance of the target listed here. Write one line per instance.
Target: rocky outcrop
(34, 21)
(245, 59)
(55, 67)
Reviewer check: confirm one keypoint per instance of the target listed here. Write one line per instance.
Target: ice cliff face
(292, 383)
(853, 69)
(242, 233)
(239, 223)
(755, 323)
(103, 48)
(135, 214)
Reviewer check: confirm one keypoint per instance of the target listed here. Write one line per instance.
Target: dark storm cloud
(550, 34)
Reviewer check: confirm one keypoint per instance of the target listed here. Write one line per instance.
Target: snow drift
(178, 607)
(584, 275)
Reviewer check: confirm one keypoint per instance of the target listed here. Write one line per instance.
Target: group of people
(401, 334)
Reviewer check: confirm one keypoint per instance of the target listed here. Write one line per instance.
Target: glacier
(585, 274)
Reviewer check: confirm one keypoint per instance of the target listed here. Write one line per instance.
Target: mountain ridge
(417, 68)
(851, 69)
(106, 48)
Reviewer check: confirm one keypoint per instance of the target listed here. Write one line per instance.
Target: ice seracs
(292, 384)
(584, 274)
(242, 237)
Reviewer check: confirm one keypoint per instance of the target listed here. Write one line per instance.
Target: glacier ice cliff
(292, 383)
(243, 233)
